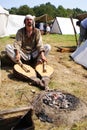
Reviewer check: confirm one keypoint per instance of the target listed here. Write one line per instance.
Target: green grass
(62, 40)
(4, 41)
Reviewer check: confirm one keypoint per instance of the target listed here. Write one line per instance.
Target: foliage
(61, 11)
(47, 8)
(23, 10)
(13, 10)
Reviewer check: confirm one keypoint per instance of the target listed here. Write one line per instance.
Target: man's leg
(47, 48)
(10, 52)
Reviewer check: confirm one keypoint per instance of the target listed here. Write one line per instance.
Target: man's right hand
(17, 56)
(44, 59)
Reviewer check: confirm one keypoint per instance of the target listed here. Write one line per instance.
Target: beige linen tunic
(28, 43)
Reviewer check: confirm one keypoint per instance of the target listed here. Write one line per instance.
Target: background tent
(43, 18)
(3, 21)
(63, 25)
(9, 24)
(80, 54)
(41, 22)
(15, 22)
(81, 16)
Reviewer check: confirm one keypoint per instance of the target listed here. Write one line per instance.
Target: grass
(62, 40)
(68, 76)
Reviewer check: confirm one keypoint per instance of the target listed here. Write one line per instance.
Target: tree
(23, 10)
(69, 12)
(13, 10)
(61, 11)
(77, 11)
(45, 9)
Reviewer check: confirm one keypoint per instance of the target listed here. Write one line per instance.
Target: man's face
(28, 22)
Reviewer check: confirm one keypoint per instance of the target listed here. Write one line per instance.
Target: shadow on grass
(5, 60)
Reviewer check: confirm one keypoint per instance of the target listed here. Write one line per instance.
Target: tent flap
(80, 55)
(3, 21)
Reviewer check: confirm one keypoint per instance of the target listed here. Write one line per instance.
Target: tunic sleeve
(18, 40)
(39, 41)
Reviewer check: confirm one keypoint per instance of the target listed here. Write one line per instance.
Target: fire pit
(58, 107)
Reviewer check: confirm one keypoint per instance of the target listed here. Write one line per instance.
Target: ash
(59, 107)
(60, 100)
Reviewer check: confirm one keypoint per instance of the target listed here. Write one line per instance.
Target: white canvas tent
(15, 22)
(9, 24)
(63, 25)
(80, 54)
(3, 20)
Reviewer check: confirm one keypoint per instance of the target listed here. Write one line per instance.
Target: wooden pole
(15, 110)
(74, 31)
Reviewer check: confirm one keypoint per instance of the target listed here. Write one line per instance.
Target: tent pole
(74, 31)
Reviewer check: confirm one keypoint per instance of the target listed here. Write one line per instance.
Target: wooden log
(14, 110)
(66, 49)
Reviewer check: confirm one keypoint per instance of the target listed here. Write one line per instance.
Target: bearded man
(28, 46)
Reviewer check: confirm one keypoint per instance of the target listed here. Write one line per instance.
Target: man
(83, 31)
(48, 28)
(29, 46)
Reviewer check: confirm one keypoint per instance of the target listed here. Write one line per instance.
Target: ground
(68, 76)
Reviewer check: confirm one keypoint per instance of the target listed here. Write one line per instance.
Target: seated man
(29, 46)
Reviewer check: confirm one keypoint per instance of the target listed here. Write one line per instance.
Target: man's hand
(17, 56)
(43, 57)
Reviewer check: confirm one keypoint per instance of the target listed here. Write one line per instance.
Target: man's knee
(47, 47)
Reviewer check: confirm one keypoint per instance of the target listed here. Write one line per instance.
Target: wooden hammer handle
(44, 67)
(23, 67)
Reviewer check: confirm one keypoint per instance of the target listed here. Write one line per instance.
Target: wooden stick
(15, 110)
(44, 67)
(74, 31)
(23, 67)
